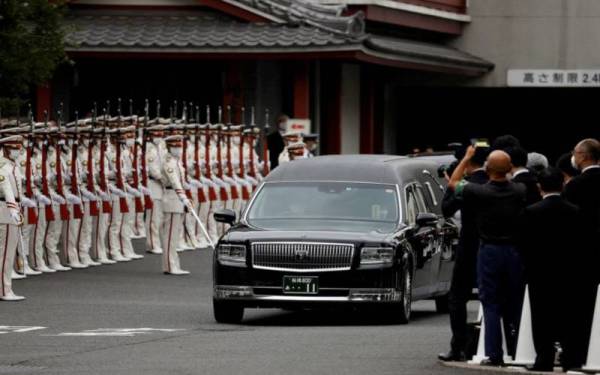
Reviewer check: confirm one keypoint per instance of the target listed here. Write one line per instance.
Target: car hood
(244, 234)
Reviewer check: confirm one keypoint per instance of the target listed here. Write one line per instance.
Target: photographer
(498, 204)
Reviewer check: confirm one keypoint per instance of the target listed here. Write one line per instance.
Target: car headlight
(232, 255)
(376, 256)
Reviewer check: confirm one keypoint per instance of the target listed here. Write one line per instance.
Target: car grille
(302, 256)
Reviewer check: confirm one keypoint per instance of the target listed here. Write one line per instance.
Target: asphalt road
(129, 318)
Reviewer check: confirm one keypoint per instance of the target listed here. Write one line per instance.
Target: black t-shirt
(497, 208)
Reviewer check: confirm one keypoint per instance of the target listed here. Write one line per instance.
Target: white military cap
(11, 140)
(292, 133)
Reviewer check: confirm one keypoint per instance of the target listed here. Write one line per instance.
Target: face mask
(313, 147)
(282, 127)
(14, 154)
(129, 142)
(176, 151)
(574, 163)
(235, 141)
(157, 141)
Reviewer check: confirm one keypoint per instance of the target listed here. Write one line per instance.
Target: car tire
(400, 312)
(441, 305)
(228, 312)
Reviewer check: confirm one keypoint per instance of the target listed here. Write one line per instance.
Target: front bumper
(273, 297)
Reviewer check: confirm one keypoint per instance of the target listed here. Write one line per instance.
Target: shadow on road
(331, 317)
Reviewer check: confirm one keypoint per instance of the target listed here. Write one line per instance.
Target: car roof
(384, 169)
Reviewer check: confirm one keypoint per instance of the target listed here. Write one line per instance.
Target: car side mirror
(225, 216)
(426, 219)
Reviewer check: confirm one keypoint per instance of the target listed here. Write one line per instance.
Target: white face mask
(14, 154)
(176, 151)
(573, 163)
(235, 141)
(157, 141)
(129, 142)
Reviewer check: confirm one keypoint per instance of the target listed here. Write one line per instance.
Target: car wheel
(441, 305)
(228, 312)
(400, 312)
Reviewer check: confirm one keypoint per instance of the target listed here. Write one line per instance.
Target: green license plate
(301, 284)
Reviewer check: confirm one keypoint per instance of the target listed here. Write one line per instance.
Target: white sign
(553, 78)
(298, 125)
(18, 329)
(119, 332)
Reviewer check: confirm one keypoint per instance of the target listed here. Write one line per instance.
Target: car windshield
(328, 206)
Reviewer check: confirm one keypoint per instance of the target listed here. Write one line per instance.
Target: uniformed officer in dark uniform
(498, 205)
(464, 273)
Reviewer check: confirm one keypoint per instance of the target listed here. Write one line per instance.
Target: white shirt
(590, 167)
(551, 195)
(520, 171)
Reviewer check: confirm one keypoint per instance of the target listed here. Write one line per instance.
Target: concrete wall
(532, 34)
(350, 111)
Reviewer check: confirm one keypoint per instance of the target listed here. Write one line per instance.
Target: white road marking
(18, 329)
(117, 332)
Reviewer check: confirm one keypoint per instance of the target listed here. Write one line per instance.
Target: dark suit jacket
(549, 235)
(276, 145)
(530, 181)
(584, 192)
(469, 236)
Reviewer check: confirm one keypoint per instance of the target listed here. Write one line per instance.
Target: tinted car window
(337, 206)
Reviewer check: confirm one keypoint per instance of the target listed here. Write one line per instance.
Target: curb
(501, 370)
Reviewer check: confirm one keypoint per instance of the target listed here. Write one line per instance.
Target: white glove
(144, 190)
(57, 198)
(104, 195)
(116, 191)
(26, 202)
(186, 186)
(195, 183)
(89, 195)
(186, 202)
(16, 216)
(72, 199)
(43, 200)
(135, 192)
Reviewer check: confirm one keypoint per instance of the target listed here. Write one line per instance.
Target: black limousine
(362, 229)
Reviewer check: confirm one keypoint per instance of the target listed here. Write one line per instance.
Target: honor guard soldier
(10, 215)
(156, 150)
(289, 138)
(296, 151)
(175, 202)
(133, 192)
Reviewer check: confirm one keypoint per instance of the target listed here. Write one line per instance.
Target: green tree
(31, 47)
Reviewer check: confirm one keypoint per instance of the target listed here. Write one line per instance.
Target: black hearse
(359, 229)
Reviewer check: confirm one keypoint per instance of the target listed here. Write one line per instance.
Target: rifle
(77, 211)
(139, 204)
(265, 145)
(45, 189)
(64, 210)
(234, 191)
(31, 211)
(252, 171)
(197, 172)
(222, 190)
(242, 174)
(147, 199)
(124, 208)
(94, 209)
(188, 192)
(106, 205)
(212, 194)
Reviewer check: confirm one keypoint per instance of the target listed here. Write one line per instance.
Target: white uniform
(129, 217)
(89, 198)
(27, 230)
(54, 227)
(38, 248)
(101, 222)
(71, 228)
(9, 231)
(116, 223)
(174, 210)
(154, 156)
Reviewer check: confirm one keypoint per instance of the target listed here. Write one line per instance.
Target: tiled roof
(191, 32)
